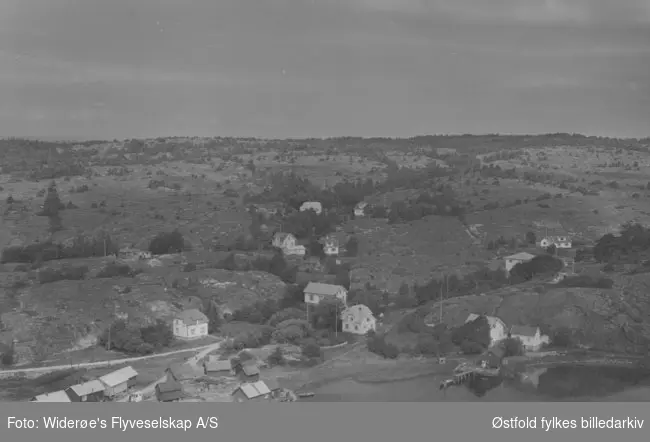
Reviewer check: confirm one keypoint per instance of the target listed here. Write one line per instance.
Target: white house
(55, 396)
(190, 324)
(312, 205)
(315, 292)
(360, 209)
(118, 381)
(531, 337)
(358, 320)
(288, 244)
(498, 329)
(517, 258)
(560, 242)
(331, 246)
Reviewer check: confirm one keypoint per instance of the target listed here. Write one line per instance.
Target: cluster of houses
(103, 388)
(252, 387)
(563, 244)
(531, 337)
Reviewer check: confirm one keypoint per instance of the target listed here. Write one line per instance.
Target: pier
(467, 374)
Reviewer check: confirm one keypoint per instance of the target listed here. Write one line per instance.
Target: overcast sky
(281, 68)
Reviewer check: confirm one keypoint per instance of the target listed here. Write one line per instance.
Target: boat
(306, 394)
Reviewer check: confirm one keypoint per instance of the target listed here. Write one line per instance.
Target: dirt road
(204, 348)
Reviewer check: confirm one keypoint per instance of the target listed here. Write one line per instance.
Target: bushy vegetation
(167, 242)
(472, 337)
(631, 246)
(68, 272)
(114, 270)
(377, 344)
(539, 265)
(512, 347)
(80, 247)
(133, 339)
(586, 281)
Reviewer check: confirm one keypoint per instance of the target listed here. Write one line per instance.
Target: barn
(118, 381)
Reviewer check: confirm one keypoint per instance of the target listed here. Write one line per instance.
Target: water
(564, 383)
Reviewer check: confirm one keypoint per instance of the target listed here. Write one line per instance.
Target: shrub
(377, 344)
(283, 315)
(158, 335)
(167, 242)
(471, 347)
(587, 281)
(113, 270)
(71, 273)
(189, 267)
(276, 358)
(562, 337)
(311, 350)
(476, 332)
(513, 347)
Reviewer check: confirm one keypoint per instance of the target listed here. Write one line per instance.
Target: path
(203, 348)
(151, 388)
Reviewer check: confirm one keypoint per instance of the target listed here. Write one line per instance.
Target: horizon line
(55, 139)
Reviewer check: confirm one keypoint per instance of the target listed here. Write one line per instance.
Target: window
(356, 327)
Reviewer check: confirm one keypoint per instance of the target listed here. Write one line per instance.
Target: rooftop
(55, 396)
(523, 330)
(523, 256)
(118, 376)
(318, 288)
(87, 388)
(255, 389)
(191, 316)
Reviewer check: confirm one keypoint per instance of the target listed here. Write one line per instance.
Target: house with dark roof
(190, 324)
(169, 391)
(180, 371)
(315, 292)
(531, 337)
(213, 366)
(247, 370)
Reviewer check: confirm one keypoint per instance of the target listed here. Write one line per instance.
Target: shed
(92, 391)
(55, 396)
(249, 370)
(119, 381)
(168, 391)
(214, 366)
(251, 391)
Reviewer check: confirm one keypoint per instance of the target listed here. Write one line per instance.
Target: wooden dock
(465, 375)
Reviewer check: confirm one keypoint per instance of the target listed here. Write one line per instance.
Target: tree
(531, 238)
(167, 242)
(352, 246)
(276, 358)
(513, 347)
(213, 312)
(551, 249)
(326, 314)
(55, 223)
(52, 204)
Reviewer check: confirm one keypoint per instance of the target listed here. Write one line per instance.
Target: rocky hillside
(64, 314)
(615, 319)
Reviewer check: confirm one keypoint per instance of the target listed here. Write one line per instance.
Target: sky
(92, 69)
